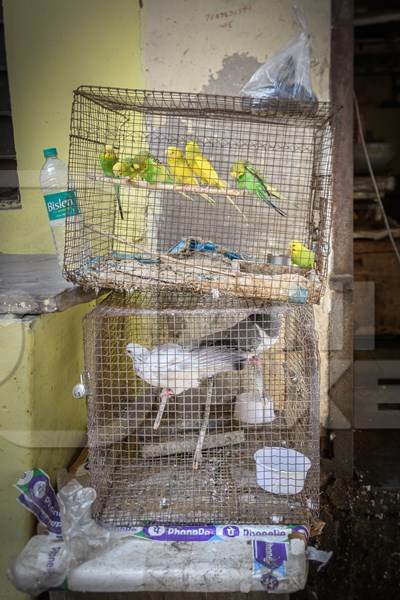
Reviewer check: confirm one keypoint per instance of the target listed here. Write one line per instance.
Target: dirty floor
(363, 530)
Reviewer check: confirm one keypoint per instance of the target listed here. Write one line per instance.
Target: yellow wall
(53, 46)
(41, 424)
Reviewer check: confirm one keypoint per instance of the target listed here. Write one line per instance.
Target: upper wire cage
(200, 192)
(202, 411)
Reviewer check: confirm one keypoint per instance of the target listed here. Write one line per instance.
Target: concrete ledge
(32, 284)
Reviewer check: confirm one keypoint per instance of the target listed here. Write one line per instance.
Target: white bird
(176, 368)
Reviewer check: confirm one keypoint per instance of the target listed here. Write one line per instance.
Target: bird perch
(197, 458)
(168, 187)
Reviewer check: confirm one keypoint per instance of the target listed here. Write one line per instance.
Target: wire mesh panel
(201, 192)
(202, 413)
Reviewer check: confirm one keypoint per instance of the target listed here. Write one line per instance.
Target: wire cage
(201, 192)
(202, 412)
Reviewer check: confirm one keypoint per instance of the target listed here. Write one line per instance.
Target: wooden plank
(341, 356)
(31, 284)
(378, 234)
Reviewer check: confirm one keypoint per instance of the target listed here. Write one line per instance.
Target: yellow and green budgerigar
(201, 166)
(147, 167)
(301, 255)
(181, 171)
(123, 168)
(107, 160)
(247, 178)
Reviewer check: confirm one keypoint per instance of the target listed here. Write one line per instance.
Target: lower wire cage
(202, 413)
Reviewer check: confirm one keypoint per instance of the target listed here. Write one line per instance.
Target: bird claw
(255, 361)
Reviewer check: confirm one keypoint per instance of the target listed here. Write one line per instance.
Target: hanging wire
(375, 185)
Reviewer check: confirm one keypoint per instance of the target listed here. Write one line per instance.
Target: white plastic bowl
(281, 470)
(252, 407)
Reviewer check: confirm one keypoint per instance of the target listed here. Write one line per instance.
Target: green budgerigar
(107, 160)
(247, 178)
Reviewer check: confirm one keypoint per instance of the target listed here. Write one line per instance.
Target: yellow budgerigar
(301, 255)
(179, 167)
(203, 169)
(201, 166)
(181, 171)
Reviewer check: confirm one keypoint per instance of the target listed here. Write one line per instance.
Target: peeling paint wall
(215, 46)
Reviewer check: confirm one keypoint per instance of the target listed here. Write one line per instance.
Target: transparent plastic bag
(43, 564)
(46, 560)
(287, 74)
(83, 537)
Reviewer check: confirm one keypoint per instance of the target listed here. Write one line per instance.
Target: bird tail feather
(276, 208)
(117, 189)
(264, 195)
(208, 198)
(219, 359)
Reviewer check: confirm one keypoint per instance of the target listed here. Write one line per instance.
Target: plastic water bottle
(59, 201)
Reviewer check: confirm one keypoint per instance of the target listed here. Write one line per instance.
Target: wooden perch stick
(169, 187)
(197, 458)
(214, 440)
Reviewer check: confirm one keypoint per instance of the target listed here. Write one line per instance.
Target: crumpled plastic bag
(43, 564)
(83, 537)
(46, 560)
(287, 74)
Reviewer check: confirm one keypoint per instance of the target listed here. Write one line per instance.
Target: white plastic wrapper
(46, 559)
(43, 564)
(287, 74)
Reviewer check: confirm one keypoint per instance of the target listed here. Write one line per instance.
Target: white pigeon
(176, 369)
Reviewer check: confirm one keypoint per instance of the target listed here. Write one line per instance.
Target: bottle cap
(50, 152)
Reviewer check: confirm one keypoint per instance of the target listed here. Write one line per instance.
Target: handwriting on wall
(225, 18)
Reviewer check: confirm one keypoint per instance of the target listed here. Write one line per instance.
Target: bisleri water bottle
(60, 201)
